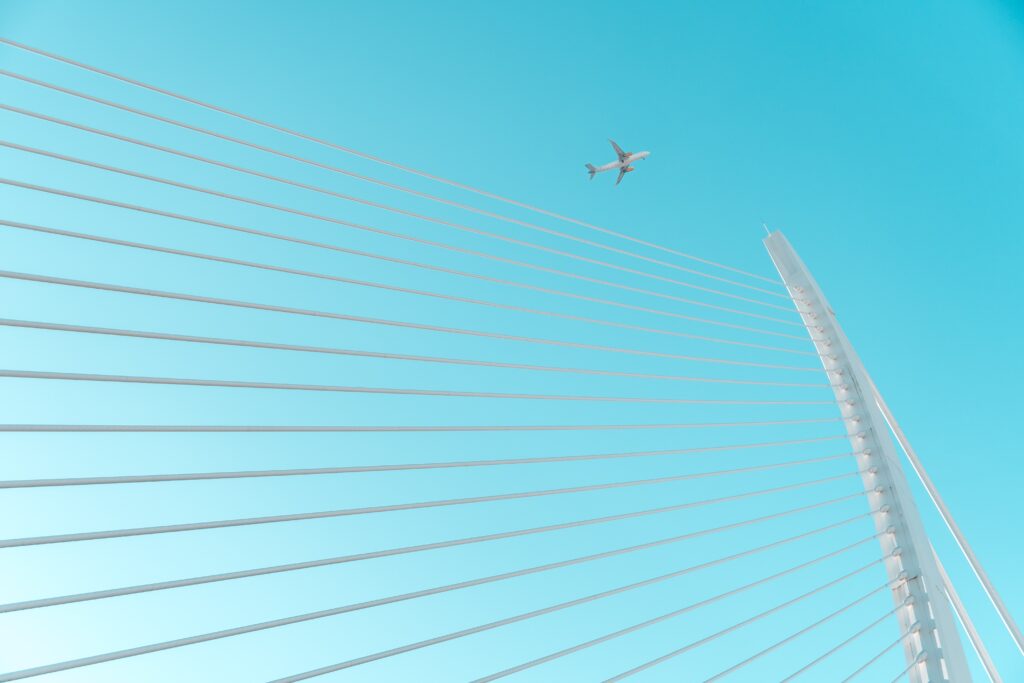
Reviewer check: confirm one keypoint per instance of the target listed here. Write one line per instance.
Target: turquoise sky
(884, 139)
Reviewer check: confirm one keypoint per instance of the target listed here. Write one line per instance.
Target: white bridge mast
(933, 641)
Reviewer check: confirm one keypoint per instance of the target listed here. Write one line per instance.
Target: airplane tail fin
(592, 170)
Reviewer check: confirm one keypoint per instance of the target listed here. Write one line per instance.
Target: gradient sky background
(883, 138)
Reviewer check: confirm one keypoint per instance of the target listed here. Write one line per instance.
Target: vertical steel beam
(921, 608)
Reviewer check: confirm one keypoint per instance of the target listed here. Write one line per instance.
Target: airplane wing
(618, 150)
(622, 172)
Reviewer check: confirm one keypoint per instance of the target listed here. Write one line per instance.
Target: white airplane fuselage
(636, 156)
(623, 165)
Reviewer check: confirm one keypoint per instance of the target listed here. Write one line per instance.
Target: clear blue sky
(883, 138)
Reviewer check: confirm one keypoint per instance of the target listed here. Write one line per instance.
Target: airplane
(623, 164)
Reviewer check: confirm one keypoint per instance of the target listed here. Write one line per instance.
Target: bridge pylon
(930, 640)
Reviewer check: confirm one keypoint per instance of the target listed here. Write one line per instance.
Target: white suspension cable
(337, 221)
(98, 428)
(807, 629)
(344, 559)
(920, 658)
(415, 264)
(350, 512)
(328, 388)
(86, 329)
(276, 623)
(510, 620)
(734, 627)
(382, 286)
(906, 634)
(325, 191)
(245, 474)
(664, 617)
(947, 516)
(966, 623)
(841, 645)
(47, 602)
(32, 277)
(347, 150)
